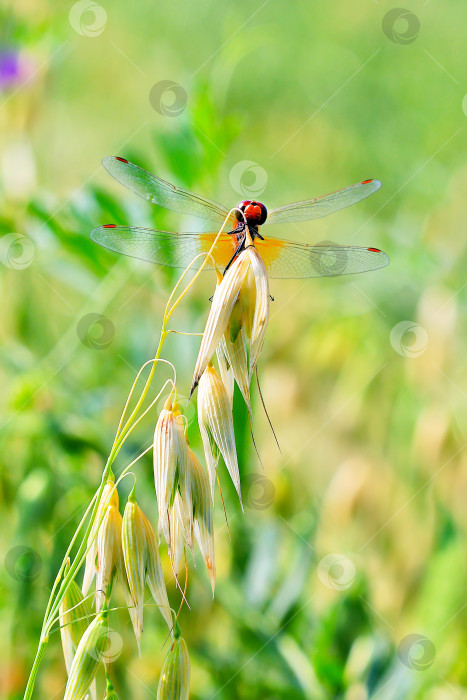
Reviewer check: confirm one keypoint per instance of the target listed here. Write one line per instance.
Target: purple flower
(13, 68)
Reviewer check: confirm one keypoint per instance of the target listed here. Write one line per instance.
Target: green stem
(67, 554)
(35, 667)
(79, 558)
(125, 430)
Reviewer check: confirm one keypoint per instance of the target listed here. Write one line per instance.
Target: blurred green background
(345, 577)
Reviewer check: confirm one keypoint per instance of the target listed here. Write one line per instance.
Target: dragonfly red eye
(122, 160)
(242, 206)
(109, 226)
(374, 250)
(255, 212)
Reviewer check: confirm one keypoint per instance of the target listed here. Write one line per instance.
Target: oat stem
(123, 431)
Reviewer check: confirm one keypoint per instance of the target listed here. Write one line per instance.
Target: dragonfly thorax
(255, 212)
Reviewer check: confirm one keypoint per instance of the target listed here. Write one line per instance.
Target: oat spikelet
(236, 324)
(170, 458)
(202, 515)
(177, 541)
(154, 576)
(223, 302)
(109, 554)
(174, 682)
(110, 693)
(109, 497)
(261, 312)
(225, 368)
(237, 354)
(89, 655)
(216, 427)
(142, 563)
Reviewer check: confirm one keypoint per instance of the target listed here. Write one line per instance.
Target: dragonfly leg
(238, 229)
(238, 250)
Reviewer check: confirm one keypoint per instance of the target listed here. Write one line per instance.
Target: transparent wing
(164, 247)
(160, 192)
(322, 206)
(283, 259)
(286, 259)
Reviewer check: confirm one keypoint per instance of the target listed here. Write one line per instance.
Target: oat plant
(108, 546)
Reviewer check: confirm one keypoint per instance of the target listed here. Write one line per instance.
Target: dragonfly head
(255, 212)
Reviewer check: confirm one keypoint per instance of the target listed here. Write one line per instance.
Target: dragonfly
(282, 258)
